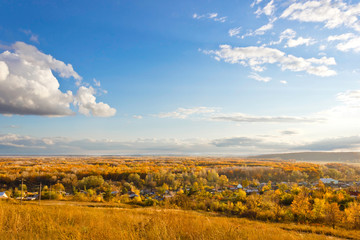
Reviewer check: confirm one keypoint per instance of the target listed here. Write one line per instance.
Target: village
(160, 194)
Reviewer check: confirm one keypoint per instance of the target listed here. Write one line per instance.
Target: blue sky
(189, 77)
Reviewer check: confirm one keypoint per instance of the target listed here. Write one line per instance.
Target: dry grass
(75, 222)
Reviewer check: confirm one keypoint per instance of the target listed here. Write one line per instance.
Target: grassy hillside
(76, 222)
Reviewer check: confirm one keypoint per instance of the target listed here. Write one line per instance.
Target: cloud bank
(13, 144)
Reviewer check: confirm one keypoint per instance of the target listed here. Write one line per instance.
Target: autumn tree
(223, 181)
(352, 215)
(332, 214)
(301, 207)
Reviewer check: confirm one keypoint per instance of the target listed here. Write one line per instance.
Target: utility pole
(22, 183)
(40, 194)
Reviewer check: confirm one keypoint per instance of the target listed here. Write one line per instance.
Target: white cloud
(240, 117)
(333, 14)
(28, 86)
(234, 31)
(344, 116)
(286, 34)
(257, 57)
(261, 30)
(214, 114)
(213, 16)
(290, 35)
(351, 97)
(86, 101)
(342, 37)
(33, 37)
(26, 145)
(184, 113)
(256, 2)
(283, 82)
(299, 41)
(349, 41)
(322, 47)
(351, 143)
(27, 83)
(259, 78)
(96, 82)
(268, 10)
(4, 71)
(137, 116)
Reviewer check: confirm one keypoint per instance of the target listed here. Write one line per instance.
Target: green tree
(91, 182)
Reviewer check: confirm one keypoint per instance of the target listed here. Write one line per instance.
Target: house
(354, 194)
(329, 181)
(251, 191)
(32, 198)
(132, 194)
(3, 195)
(239, 186)
(169, 195)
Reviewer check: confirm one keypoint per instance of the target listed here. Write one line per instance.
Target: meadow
(30, 221)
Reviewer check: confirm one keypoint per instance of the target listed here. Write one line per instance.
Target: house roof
(3, 195)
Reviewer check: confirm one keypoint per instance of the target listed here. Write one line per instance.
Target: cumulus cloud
(27, 83)
(286, 34)
(86, 101)
(213, 16)
(257, 57)
(259, 78)
(183, 113)
(333, 13)
(299, 41)
(348, 42)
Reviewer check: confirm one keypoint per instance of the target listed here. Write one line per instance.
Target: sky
(236, 77)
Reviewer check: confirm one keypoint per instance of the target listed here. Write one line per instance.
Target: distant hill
(352, 157)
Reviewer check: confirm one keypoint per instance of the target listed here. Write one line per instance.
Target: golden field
(30, 221)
